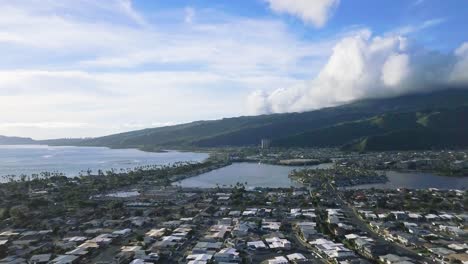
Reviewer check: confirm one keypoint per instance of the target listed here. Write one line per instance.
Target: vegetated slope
(249, 130)
(403, 131)
(437, 130)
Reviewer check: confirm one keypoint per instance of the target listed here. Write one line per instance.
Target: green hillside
(350, 125)
(436, 130)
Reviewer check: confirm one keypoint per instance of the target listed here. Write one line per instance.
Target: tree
(19, 214)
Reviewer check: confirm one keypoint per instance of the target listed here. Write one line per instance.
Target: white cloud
(416, 28)
(189, 15)
(364, 66)
(106, 66)
(460, 71)
(395, 69)
(418, 2)
(315, 12)
(126, 7)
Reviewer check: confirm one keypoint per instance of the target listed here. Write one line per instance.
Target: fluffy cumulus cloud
(367, 66)
(315, 12)
(395, 69)
(460, 71)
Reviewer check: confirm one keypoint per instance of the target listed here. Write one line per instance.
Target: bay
(33, 159)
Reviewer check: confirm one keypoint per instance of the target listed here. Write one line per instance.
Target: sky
(86, 68)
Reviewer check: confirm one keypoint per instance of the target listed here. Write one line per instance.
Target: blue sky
(78, 68)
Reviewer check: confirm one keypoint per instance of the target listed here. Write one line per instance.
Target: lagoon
(274, 176)
(418, 180)
(255, 175)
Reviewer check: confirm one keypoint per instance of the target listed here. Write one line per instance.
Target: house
(342, 229)
(124, 257)
(307, 230)
(65, 259)
(447, 217)
(399, 215)
(453, 230)
(332, 250)
(122, 233)
(228, 255)
(167, 242)
(76, 239)
(130, 248)
(406, 239)
(225, 221)
(242, 229)
(40, 259)
(458, 247)
(415, 217)
(375, 250)
(3, 247)
(198, 258)
(206, 247)
(172, 224)
(156, 233)
(441, 253)
(296, 257)
(278, 243)
(223, 200)
(431, 217)
(395, 259)
(459, 258)
(278, 260)
(250, 212)
(234, 213)
(139, 221)
(78, 252)
(271, 226)
(13, 260)
(254, 245)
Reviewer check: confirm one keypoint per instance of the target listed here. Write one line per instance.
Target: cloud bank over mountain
(366, 66)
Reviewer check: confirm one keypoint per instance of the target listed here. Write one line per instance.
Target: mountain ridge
(349, 125)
